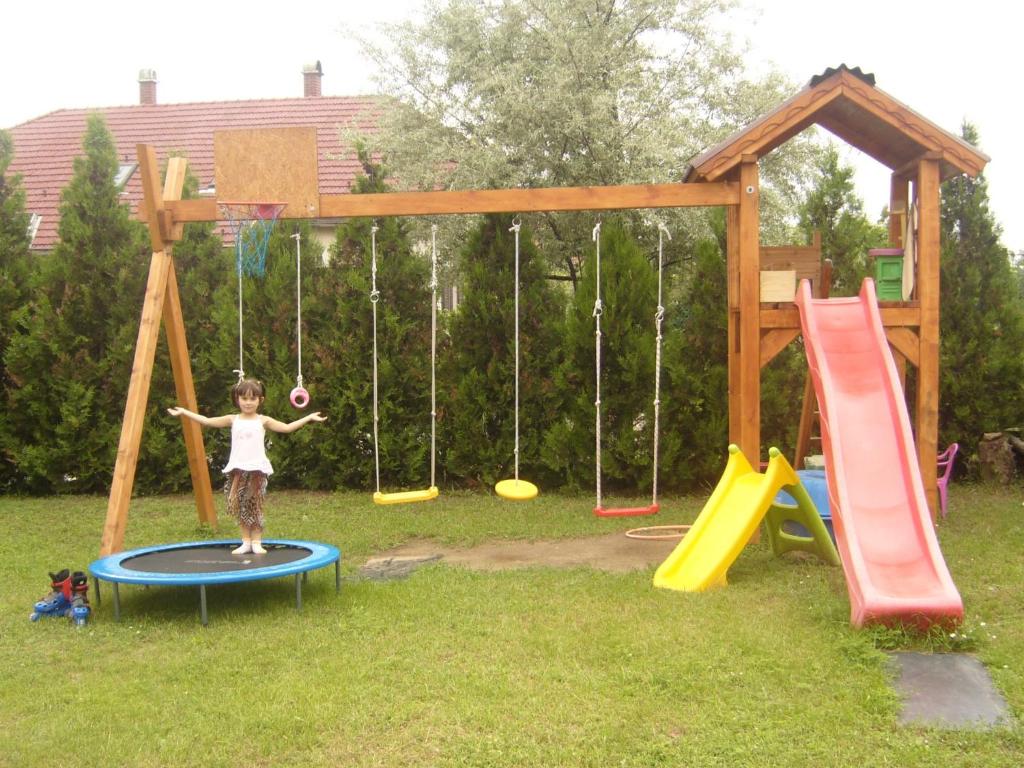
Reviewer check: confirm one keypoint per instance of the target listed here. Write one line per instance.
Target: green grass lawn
(452, 667)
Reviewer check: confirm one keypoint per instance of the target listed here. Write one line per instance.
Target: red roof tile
(45, 148)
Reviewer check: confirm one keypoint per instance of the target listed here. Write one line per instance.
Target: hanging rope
(299, 397)
(374, 298)
(598, 310)
(659, 316)
(431, 492)
(516, 224)
(516, 489)
(241, 368)
(433, 353)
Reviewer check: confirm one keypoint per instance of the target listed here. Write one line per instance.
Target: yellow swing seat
(515, 489)
(406, 497)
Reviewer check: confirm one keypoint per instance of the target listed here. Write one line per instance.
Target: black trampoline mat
(212, 559)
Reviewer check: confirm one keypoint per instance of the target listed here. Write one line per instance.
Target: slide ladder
(729, 518)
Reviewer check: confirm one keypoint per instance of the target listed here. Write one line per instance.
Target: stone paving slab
(947, 690)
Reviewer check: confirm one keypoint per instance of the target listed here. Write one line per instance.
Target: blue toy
(58, 602)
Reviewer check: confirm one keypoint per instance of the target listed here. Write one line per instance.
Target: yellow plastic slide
(726, 523)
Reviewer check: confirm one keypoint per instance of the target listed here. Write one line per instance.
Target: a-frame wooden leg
(162, 300)
(184, 388)
(135, 407)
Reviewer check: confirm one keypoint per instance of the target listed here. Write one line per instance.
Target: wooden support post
(184, 388)
(135, 406)
(927, 189)
(899, 209)
(732, 261)
(749, 311)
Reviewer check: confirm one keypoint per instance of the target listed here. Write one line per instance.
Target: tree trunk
(995, 454)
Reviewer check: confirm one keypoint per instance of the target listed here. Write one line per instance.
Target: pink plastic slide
(895, 572)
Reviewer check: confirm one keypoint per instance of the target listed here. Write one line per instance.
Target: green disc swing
(516, 489)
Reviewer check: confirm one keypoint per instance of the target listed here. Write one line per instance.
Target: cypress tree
(833, 208)
(629, 301)
(71, 369)
(480, 376)
(695, 382)
(982, 328)
(338, 351)
(15, 266)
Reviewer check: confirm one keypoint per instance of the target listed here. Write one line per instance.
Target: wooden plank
(269, 165)
(907, 314)
(749, 325)
(498, 201)
(774, 341)
(808, 416)
(906, 342)
(184, 388)
(174, 182)
(142, 367)
(805, 260)
(529, 200)
(732, 268)
(928, 295)
(899, 204)
(152, 198)
(135, 407)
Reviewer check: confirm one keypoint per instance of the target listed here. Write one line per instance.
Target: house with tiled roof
(45, 147)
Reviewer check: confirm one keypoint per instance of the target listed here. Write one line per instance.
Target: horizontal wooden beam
(496, 201)
(892, 317)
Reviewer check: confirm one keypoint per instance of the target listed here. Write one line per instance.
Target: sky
(949, 61)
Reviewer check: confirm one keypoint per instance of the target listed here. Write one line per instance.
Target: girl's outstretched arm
(206, 421)
(279, 426)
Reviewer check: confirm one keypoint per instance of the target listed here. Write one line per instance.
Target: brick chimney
(311, 76)
(147, 86)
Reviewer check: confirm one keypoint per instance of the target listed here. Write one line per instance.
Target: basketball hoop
(251, 224)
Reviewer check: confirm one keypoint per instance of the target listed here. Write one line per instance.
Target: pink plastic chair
(945, 464)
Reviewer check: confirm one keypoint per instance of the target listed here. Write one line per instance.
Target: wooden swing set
(281, 164)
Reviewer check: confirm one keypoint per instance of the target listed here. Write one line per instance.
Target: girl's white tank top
(247, 450)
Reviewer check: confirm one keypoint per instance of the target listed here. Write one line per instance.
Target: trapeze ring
(642, 535)
(299, 398)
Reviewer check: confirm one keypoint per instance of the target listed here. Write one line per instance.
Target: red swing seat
(651, 509)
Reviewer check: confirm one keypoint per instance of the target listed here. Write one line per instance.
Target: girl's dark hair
(247, 387)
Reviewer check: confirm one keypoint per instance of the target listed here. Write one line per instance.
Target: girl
(248, 466)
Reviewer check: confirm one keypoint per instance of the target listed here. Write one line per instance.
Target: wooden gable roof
(45, 148)
(846, 103)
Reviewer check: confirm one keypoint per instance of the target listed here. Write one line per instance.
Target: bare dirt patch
(610, 552)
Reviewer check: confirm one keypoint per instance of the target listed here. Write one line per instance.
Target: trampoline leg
(96, 590)
(298, 592)
(202, 603)
(117, 603)
(337, 575)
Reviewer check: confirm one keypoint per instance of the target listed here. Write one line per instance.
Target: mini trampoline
(200, 563)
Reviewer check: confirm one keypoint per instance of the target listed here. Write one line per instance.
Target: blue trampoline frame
(111, 569)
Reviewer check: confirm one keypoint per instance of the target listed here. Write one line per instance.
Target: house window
(124, 172)
(33, 227)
